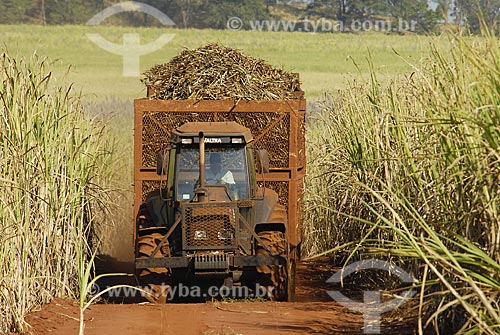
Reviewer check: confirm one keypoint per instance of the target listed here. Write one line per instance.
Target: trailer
(244, 228)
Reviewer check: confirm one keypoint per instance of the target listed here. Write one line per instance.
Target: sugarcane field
(249, 167)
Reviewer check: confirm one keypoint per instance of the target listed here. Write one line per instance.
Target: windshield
(223, 165)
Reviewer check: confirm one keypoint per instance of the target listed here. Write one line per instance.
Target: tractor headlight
(225, 234)
(200, 235)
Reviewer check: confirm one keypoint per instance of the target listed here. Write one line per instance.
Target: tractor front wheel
(274, 278)
(153, 280)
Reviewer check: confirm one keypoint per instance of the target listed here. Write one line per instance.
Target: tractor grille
(209, 226)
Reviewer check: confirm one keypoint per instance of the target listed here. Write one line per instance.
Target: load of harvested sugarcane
(215, 72)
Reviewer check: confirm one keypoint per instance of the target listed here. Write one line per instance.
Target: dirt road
(313, 313)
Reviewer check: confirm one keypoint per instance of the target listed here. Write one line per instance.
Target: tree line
(214, 14)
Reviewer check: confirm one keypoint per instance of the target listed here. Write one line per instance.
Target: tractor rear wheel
(273, 277)
(153, 280)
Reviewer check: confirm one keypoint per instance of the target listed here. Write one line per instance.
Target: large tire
(273, 277)
(153, 280)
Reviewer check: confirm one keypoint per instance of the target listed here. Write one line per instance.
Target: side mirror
(162, 160)
(262, 161)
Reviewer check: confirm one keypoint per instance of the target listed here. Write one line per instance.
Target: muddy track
(313, 313)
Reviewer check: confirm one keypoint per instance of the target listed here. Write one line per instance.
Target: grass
(323, 60)
(410, 172)
(55, 172)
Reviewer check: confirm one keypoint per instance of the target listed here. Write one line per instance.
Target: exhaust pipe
(202, 159)
(202, 192)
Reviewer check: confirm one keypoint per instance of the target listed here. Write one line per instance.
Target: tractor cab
(215, 170)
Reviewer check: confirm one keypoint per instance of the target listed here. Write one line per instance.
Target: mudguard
(269, 212)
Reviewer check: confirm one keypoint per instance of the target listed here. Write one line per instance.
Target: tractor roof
(214, 129)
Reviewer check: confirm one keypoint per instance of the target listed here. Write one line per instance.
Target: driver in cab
(216, 174)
